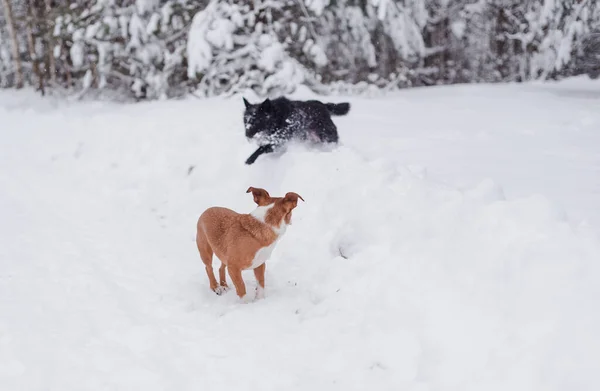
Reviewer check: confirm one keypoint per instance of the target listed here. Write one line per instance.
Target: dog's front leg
(262, 149)
(222, 279)
(259, 273)
(236, 277)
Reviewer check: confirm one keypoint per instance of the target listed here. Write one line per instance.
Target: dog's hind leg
(262, 149)
(206, 254)
(328, 132)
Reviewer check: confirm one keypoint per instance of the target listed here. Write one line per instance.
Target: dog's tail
(338, 108)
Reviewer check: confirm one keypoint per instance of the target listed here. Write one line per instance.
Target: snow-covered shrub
(233, 46)
(555, 27)
(137, 48)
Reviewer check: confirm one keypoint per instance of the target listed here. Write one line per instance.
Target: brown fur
(236, 238)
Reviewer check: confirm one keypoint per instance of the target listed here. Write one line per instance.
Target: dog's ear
(261, 196)
(266, 105)
(291, 200)
(246, 103)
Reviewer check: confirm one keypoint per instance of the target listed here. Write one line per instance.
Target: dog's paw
(246, 299)
(220, 290)
(260, 293)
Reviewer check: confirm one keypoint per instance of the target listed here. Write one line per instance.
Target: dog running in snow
(274, 122)
(243, 241)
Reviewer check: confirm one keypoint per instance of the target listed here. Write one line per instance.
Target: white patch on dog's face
(261, 212)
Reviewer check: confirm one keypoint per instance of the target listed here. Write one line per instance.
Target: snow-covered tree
(233, 45)
(152, 49)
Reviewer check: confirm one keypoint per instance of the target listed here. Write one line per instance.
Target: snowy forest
(157, 49)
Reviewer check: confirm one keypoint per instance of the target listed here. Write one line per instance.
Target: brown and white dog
(243, 241)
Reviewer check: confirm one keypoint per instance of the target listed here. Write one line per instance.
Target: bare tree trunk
(31, 45)
(67, 65)
(50, 42)
(15, 43)
(94, 75)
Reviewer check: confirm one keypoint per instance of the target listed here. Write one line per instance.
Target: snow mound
(387, 278)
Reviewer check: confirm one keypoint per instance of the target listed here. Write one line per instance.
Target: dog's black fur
(272, 123)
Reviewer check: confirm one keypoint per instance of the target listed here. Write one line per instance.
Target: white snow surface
(450, 242)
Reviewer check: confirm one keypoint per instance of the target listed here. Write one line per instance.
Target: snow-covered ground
(467, 217)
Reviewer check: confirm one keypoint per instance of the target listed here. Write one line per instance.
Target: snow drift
(388, 278)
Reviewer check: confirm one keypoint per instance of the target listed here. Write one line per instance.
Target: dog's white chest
(262, 255)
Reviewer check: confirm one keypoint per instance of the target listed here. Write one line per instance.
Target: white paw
(245, 299)
(260, 293)
(220, 290)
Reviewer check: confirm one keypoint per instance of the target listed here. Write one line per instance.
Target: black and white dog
(273, 123)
